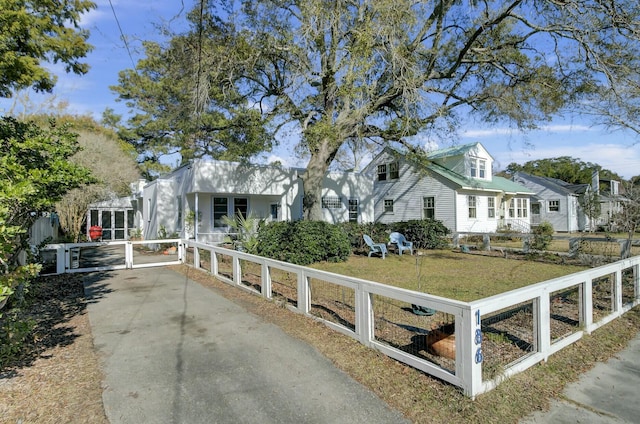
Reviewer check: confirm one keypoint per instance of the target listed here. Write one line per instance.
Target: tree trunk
(312, 180)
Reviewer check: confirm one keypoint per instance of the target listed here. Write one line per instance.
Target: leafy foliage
(378, 71)
(35, 31)
(565, 168)
(245, 231)
(424, 233)
(35, 172)
(303, 242)
(542, 236)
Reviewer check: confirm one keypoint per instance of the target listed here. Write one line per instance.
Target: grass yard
(419, 397)
(454, 275)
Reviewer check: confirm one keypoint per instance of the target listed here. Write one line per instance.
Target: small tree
(542, 236)
(590, 202)
(114, 166)
(35, 172)
(628, 218)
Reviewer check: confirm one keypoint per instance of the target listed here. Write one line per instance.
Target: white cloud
(92, 17)
(505, 131)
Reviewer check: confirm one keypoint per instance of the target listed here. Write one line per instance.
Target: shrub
(542, 236)
(378, 232)
(424, 233)
(303, 242)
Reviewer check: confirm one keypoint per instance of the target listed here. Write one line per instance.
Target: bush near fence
(303, 242)
(424, 233)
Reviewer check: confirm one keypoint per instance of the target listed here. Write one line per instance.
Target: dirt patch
(57, 377)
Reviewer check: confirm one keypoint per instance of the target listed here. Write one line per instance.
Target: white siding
(407, 193)
(481, 223)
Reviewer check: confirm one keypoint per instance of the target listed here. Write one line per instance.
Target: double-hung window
(522, 209)
(554, 206)
(353, 210)
(220, 205)
(388, 205)
(491, 207)
(389, 171)
(472, 201)
(382, 172)
(429, 207)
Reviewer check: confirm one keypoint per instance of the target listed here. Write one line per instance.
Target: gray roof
(553, 184)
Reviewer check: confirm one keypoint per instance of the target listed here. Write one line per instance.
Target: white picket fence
(543, 318)
(469, 317)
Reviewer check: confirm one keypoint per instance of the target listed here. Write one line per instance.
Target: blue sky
(90, 94)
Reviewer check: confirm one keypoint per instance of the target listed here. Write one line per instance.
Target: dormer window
(389, 171)
(478, 168)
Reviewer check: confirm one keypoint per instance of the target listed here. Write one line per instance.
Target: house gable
(469, 160)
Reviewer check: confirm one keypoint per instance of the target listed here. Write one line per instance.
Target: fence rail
(449, 340)
(473, 345)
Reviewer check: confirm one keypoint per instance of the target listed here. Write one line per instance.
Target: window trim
(556, 205)
(426, 207)
(472, 206)
(491, 207)
(331, 202)
(388, 171)
(353, 207)
(213, 211)
(382, 172)
(386, 204)
(394, 170)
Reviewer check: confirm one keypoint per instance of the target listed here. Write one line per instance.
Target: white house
(559, 202)
(211, 189)
(456, 187)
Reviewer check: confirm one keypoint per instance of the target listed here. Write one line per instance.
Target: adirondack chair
(380, 248)
(401, 242)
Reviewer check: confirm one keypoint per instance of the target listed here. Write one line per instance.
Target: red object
(95, 232)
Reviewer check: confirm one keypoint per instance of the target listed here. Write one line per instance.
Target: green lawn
(450, 274)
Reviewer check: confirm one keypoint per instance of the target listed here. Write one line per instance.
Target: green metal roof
(498, 184)
(452, 151)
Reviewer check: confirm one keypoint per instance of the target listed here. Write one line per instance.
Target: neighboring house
(561, 203)
(611, 196)
(115, 216)
(211, 189)
(456, 186)
(555, 201)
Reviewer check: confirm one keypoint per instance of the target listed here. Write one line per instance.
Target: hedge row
(306, 242)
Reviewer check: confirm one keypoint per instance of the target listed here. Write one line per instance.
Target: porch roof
(117, 203)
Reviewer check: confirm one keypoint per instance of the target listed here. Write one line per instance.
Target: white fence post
(617, 294)
(542, 324)
(266, 280)
(364, 316)
(304, 293)
(128, 255)
(196, 257)
(60, 255)
(469, 355)
(586, 302)
(237, 270)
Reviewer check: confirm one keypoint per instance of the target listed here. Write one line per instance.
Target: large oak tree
(385, 70)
